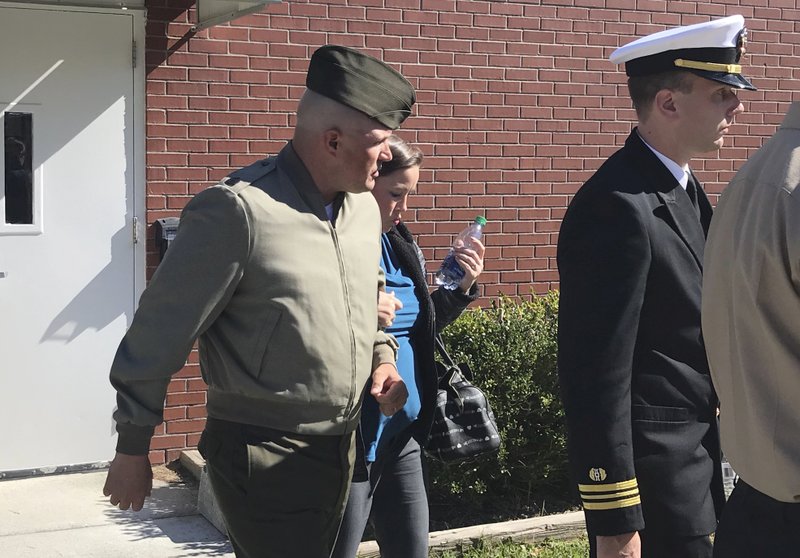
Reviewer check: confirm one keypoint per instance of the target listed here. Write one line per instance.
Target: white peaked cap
(711, 50)
(710, 34)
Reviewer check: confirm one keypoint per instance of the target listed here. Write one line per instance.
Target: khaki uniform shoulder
(244, 177)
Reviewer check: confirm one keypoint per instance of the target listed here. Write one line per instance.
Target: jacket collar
(297, 173)
(792, 118)
(677, 208)
(408, 253)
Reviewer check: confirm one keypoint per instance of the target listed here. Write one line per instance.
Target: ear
(664, 103)
(332, 138)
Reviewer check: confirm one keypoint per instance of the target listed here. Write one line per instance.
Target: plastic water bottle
(450, 273)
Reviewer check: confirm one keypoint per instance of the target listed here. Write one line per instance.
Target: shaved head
(317, 113)
(341, 147)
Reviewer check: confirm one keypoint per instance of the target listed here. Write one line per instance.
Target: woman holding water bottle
(388, 449)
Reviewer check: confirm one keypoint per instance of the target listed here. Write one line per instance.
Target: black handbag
(463, 422)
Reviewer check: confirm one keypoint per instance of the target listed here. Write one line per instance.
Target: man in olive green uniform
(275, 273)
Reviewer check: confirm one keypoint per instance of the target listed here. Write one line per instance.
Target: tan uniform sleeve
(385, 347)
(189, 290)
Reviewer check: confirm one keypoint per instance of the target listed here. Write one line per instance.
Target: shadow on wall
(159, 19)
(89, 308)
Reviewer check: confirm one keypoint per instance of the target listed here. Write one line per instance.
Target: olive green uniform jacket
(282, 302)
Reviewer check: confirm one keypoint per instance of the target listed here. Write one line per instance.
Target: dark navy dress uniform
(641, 411)
(640, 408)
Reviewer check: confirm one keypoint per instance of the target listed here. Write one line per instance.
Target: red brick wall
(517, 106)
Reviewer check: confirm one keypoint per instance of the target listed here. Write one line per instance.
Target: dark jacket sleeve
(448, 305)
(603, 260)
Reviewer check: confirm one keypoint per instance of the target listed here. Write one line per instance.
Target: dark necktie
(691, 189)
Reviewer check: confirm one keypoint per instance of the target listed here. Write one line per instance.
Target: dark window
(18, 134)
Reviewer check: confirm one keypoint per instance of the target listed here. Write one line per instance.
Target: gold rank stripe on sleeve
(609, 487)
(612, 505)
(610, 496)
(632, 492)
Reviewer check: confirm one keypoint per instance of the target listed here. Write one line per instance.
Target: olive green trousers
(282, 494)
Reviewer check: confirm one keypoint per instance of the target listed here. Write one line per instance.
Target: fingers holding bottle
(470, 259)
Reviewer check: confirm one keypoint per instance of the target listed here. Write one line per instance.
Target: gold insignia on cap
(741, 43)
(597, 474)
(708, 66)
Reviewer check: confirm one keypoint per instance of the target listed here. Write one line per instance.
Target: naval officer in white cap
(640, 407)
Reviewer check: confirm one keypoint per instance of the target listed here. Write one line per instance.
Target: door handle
(2, 274)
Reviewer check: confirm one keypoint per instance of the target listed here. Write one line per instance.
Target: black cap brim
(734, 80)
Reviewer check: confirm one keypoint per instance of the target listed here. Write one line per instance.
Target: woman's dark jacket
(436, 310)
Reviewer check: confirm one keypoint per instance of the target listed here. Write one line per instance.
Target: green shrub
(511, 349)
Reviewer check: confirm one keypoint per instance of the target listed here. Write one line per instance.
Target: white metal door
(67, 273)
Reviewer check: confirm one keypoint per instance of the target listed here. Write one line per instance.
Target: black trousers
(754, 525)
(662, 546)
(282, 494)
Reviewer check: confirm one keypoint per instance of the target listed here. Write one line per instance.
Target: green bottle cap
(480, 220)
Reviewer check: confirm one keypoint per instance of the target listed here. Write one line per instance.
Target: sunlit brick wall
(517, 106)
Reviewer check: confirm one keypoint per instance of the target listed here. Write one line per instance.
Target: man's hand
(129, 481)
(388, 304)
(627, 545)
(388, 389)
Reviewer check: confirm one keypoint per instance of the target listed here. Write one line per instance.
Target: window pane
(19, 167)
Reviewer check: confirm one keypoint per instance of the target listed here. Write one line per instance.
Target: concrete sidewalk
(68, 516)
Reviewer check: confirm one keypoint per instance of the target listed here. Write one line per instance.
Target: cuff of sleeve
(385, 352)
(133, 439)
(612, 508)
(470, 296)
(614, 522)
(384, 357)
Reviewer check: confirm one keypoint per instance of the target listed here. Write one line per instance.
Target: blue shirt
(377, 429)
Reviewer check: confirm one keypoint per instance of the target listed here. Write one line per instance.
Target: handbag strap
(464, 373)
(443, 351)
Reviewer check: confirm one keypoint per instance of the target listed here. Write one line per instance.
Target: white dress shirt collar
(680, 173)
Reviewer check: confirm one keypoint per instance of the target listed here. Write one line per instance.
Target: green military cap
(361, 82)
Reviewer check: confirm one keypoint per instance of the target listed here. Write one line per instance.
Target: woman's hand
(471, 261)
(388, 305)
